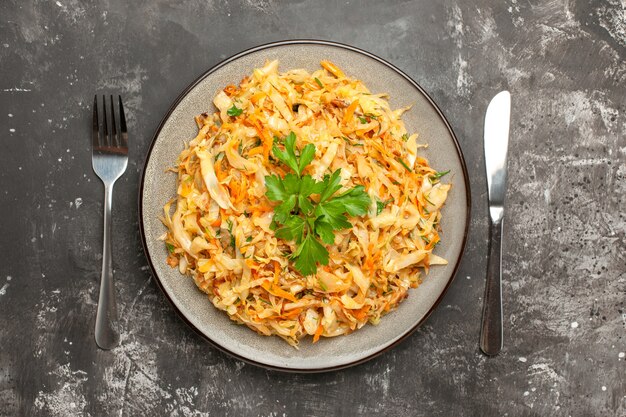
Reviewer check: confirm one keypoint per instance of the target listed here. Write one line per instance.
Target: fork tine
(95, 135)
(114, 139)
(105, 129)
(123, 138)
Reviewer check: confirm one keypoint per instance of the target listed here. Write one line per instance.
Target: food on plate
(302, 205)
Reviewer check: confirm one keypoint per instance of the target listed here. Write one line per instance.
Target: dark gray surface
(565, 262)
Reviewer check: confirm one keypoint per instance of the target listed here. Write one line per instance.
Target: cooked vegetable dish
(302, 205)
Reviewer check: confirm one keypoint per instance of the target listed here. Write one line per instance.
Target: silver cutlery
(496, 138)
(109, 158)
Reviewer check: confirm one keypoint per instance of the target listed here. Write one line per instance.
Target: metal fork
(109, 158)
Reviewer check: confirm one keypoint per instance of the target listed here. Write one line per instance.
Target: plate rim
(225, 62)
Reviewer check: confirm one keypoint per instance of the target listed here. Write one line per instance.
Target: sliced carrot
(255, 151)
(248, 121)
(217, 222)
(257, 96)
(230, 90)
(252, 264)
(433, 242)
(421, 161)
(420, 209)
(277, 291)
(261, 206)
(333, 69)
(318, 333)
(219, 173)
(350, 111)
(290, 314)
(233, 186)
(361, 313)
(266, 139)
(241, 190)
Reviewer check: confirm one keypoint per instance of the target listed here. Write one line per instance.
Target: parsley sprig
(306, 220)
(234, 111)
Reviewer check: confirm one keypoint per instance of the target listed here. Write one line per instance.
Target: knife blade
(496, 140)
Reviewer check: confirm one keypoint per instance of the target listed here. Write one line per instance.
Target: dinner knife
(496, 137)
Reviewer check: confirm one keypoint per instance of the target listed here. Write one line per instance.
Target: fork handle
(106, 333)
(491, 329)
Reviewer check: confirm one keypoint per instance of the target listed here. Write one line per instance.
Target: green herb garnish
(234, 111)
(230, 231)
(405, 137)
(350, 143)
(438, 175)
(363, 120)
(306, 221)
(319, 82)
(170, 247)
(380, 205)
(404, 164)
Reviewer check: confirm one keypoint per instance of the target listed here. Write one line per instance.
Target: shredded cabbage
(220, 231)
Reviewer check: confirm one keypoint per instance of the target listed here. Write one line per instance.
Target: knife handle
(491, 329)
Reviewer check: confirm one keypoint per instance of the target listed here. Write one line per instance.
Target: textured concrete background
(565, 262)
